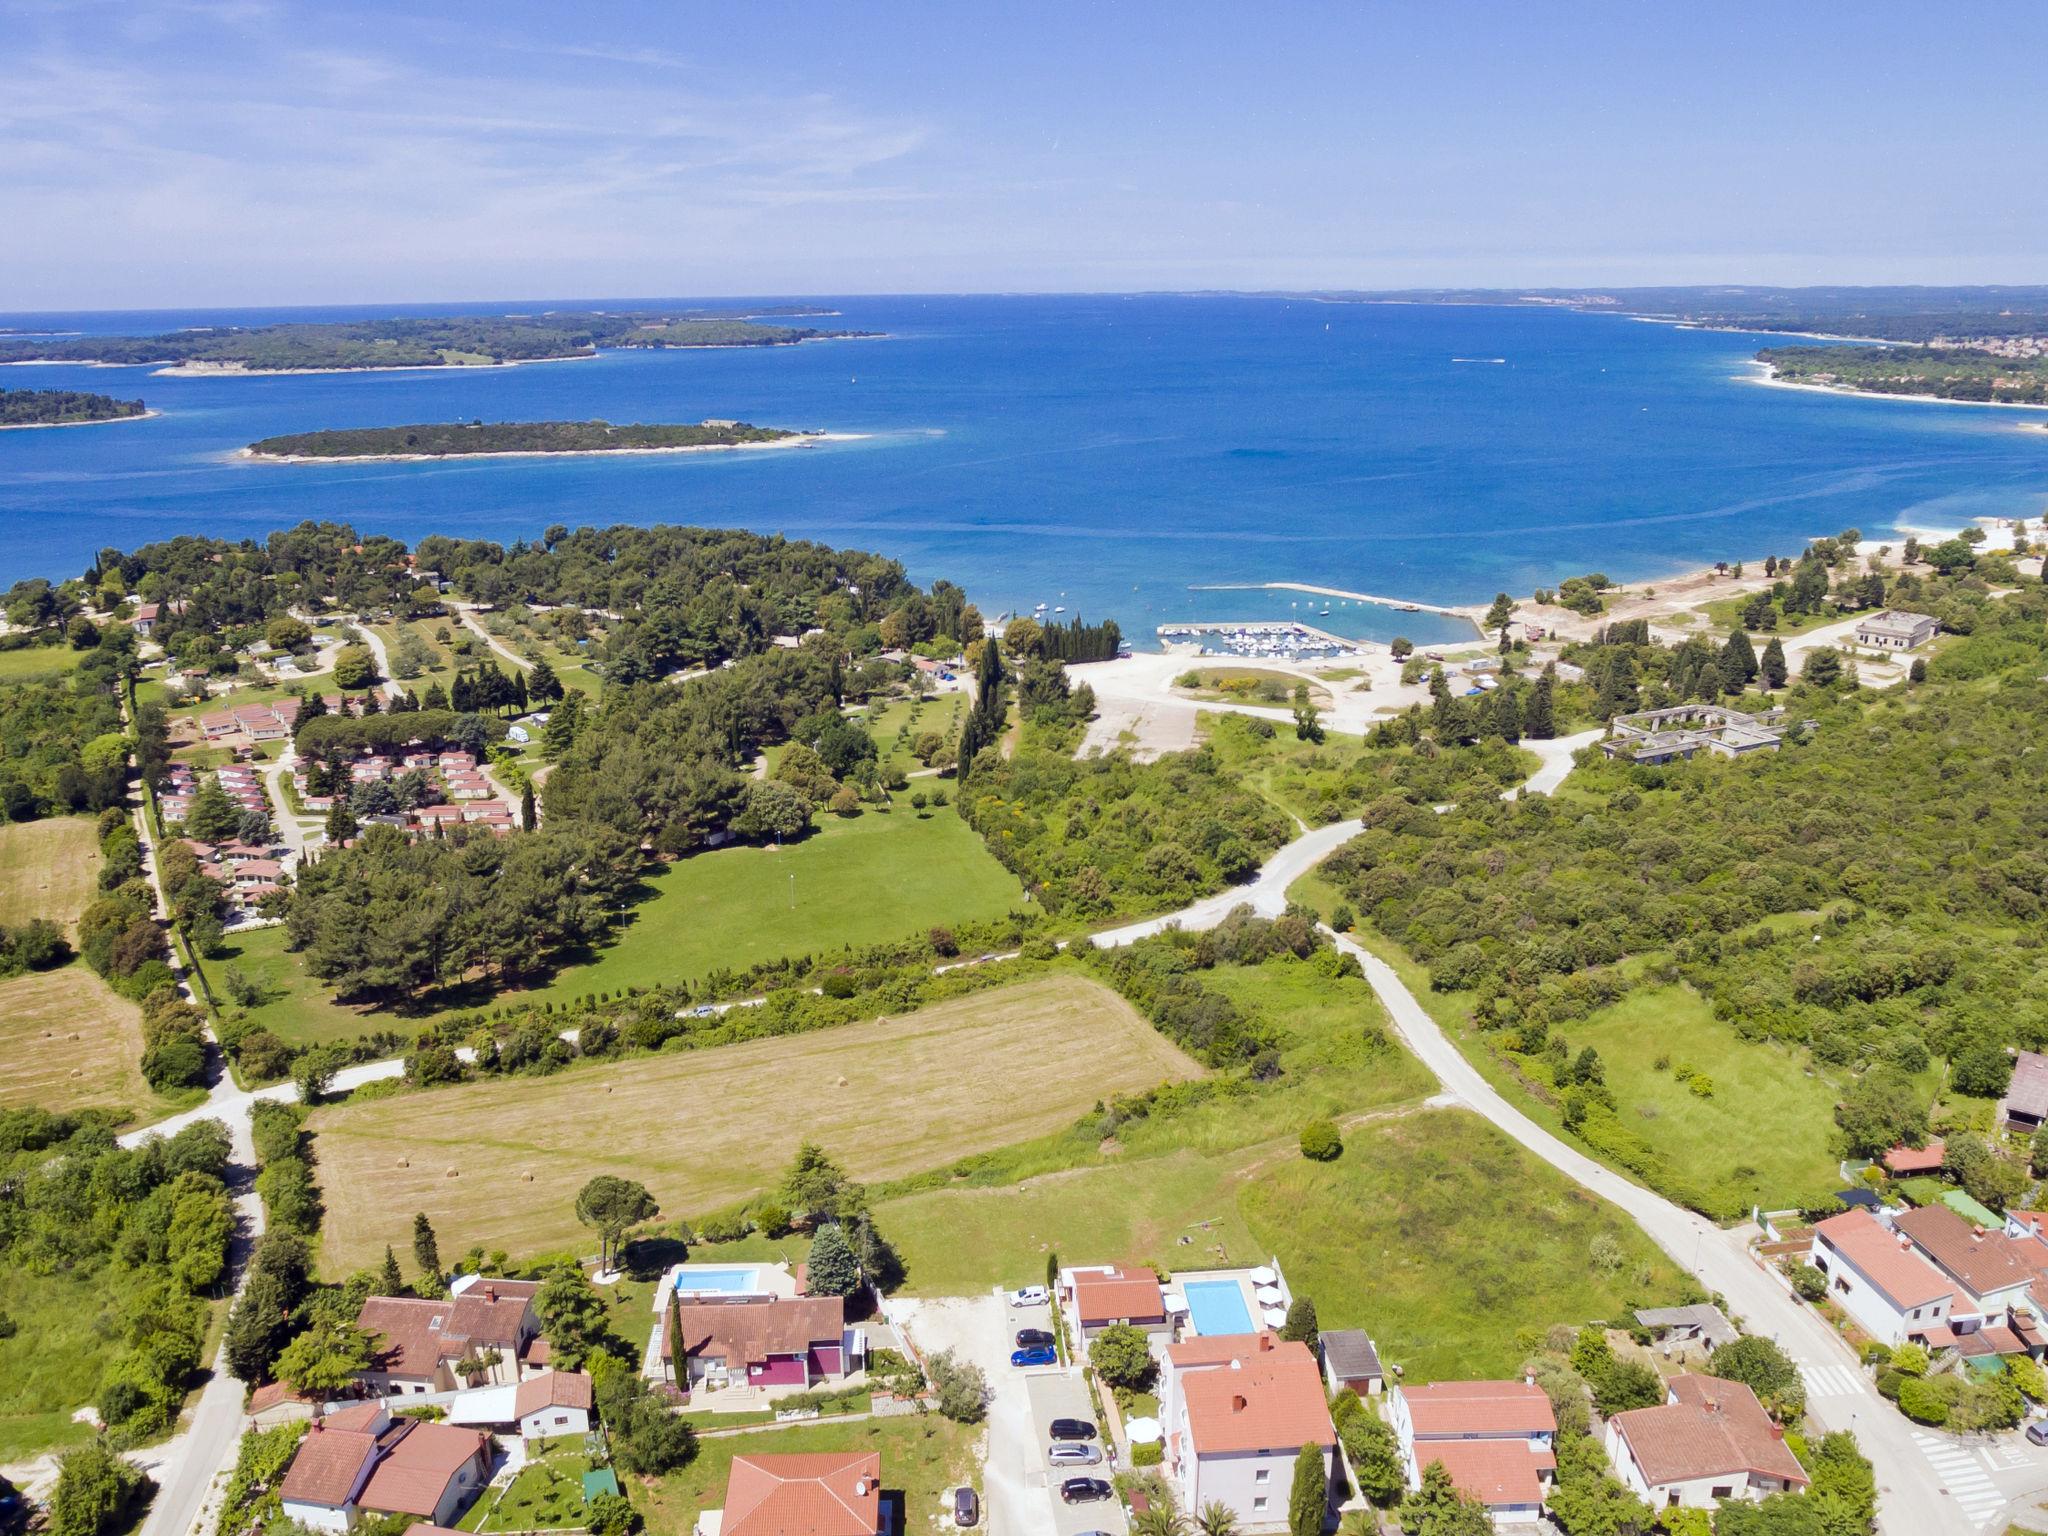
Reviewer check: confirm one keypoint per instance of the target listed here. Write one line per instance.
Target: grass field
(941, 713)
(68, 1040)
(1433, 1230)
(67, 1328)
(1252, 685)
(924, 1458)
(442, 663)
(499, 1161)
(48, 869)
(1725, 613)
(853, 881)
(38, 663)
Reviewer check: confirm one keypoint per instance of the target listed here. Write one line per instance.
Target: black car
(1070, 1429)
(1084, 1490)
(966, 1508)
(1032, 1338)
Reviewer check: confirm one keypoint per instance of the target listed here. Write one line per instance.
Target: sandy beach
(795, 440)
(1770, 380)
(104, 421)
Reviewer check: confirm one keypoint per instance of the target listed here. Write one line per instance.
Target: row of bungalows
(1931, 1277)
(254, 722)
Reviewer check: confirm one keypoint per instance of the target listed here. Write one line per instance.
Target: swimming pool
(1217, 1306)
(714, 1279)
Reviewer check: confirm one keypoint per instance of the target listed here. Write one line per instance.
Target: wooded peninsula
(451, 341)
(1942, 373)
(61, 408)
(451, 439)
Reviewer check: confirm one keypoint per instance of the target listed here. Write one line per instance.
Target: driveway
(1063, 1395)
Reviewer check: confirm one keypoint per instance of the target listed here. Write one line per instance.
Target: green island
(454, 439)
(62, 408)
(1939, 373)
(454, 341)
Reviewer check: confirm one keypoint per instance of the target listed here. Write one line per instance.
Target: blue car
(1038, 1354)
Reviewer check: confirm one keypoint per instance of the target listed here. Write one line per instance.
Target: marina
(1285, 640)
(1399, 604)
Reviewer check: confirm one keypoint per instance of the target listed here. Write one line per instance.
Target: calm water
(1108, 454)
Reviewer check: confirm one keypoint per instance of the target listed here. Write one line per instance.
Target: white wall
(320, 1517)
(1241, 1481)
(1867, 1304)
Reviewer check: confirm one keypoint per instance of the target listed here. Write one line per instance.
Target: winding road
(1915, 1495)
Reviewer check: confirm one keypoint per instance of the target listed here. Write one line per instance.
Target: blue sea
(1107, 455)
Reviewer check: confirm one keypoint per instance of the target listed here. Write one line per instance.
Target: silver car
(1071, 1453)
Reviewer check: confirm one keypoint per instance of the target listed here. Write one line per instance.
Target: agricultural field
(48, 869)
(500, 1161)
(924, 1457)
(69, 1040)
(730, 907)
(38, 663)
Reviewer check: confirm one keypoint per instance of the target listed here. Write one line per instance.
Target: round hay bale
(842, 1080)
(78, 1071)
(526, 1178)
(454, 1173)
(405, 1162)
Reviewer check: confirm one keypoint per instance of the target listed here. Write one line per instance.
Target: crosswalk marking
(1968, 1483)
(1831, 1381)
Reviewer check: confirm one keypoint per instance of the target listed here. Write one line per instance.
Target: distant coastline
(792, 440)
(97, 421)
(1770, 380)
(240, 371)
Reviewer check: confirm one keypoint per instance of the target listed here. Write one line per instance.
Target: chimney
(1238, 1405)
(490, 1293)
(1266, 1342)
(1236, 1364)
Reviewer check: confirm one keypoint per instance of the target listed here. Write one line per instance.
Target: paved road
(469, 622)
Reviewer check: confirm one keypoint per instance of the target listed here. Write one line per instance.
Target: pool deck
(1246, 1289)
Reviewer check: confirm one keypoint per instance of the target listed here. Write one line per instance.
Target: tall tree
(1308, 1504)
(325, 1359)
(1772, 669)
(572, 1317)
(389, 1281)
(1539, 720)
(213, 817)
(609, 1206)
(832, 1269)
(1737, 663)
(426, 1248)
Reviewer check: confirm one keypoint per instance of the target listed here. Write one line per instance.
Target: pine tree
(389, 1281)
(213, 817)
(541, 682)
(1308, 1505)
(341, 822)
(426, 1249)
(527, 816)
(1737, 663)
(1503, 715)
(1772, 668)
(436, 697)
(832, 1269)
(1539, 720)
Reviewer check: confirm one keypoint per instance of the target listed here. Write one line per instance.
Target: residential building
(2025, 1105)
(1710, 1440)
(1236, 1410)
(1351, 1360)
(1496, 1439)
(1992, 1310)
(361, 1459)
(541, 1407)
(420, 1344)
(756, 1341)
(1100, 1295)
(1894, 629)
(1904, 1162)
(823, 1493)
(1703, 1325)
(1876, 1276)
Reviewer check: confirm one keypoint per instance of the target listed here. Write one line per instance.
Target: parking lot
(1064, 1396)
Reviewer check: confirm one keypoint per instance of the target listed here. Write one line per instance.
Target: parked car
(1071, 1429)
(2038, 1431)
(1084, 1490)
(1071, 1453)
(1042, 1354)
(1031, 1338)
(966, 1508)
(1030, 1296)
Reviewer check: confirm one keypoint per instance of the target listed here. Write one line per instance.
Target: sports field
(68, 1040)
(47, 869)
(499, 1162)
(857, 880)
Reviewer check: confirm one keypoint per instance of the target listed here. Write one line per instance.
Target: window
(1258, 1504)
(1724, 1493)
(1263, 1475)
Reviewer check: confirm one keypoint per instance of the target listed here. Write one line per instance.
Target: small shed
(1350, 1359)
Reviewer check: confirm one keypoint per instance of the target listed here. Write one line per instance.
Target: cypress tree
(1309, 1503)
(1539, 720)
(1772, 668)
(426, 1248)
(1737, 663)
(526, 808)
(389, 1281)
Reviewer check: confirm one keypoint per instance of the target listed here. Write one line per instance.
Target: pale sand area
(797, 440)
(241, 371)
(105, 421)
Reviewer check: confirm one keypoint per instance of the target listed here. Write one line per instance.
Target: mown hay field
(499, 1161)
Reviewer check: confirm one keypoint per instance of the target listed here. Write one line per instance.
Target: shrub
(1320, 1142)
(1809, 1282)
(1922, 1402)
(1147, 1453)
(961, 1388)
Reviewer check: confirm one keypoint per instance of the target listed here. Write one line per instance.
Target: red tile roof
(552, 1389)
(326, 1466)
(420, 1462)
(1714, 1428)
(1885, 1259)
(820, 1494)
(1925, 1159)
(1502, 1408)
(745, 1332)
(1265, 1399)
(1116, 1293)
(1984, 1261)
(1495, 1472)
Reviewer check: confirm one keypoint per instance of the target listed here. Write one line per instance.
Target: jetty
(1403, 604)
(1280, 639)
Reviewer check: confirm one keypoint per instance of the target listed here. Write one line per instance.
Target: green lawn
(885, 720)
(1724, 613)
(924, 1457)
(546, 1495)
(38, 663)
(855, 881)
(67, 1327)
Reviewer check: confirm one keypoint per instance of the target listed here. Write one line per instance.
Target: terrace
(1229, 1301)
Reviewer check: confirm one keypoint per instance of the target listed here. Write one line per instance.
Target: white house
(1237, 1409)
(1710, 1440)
(1894, 629)
(1099, 1296)
(361, 1460)
(1992, 1307)
(1880, 1280)
(1497, 1440)
(541, 1407)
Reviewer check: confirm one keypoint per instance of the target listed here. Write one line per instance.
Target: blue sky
(257, 151)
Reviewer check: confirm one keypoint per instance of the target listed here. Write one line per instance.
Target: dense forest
(61, 407)
(435, 439)
(413, 342)
(1947, 373)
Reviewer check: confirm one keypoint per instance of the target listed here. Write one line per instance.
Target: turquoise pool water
(715, 1280)
(1216, 1307)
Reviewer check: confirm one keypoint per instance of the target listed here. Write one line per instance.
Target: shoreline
(236, 371)
(1397, 604)
(1770, 380)
(102, 421)
(794, 440)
